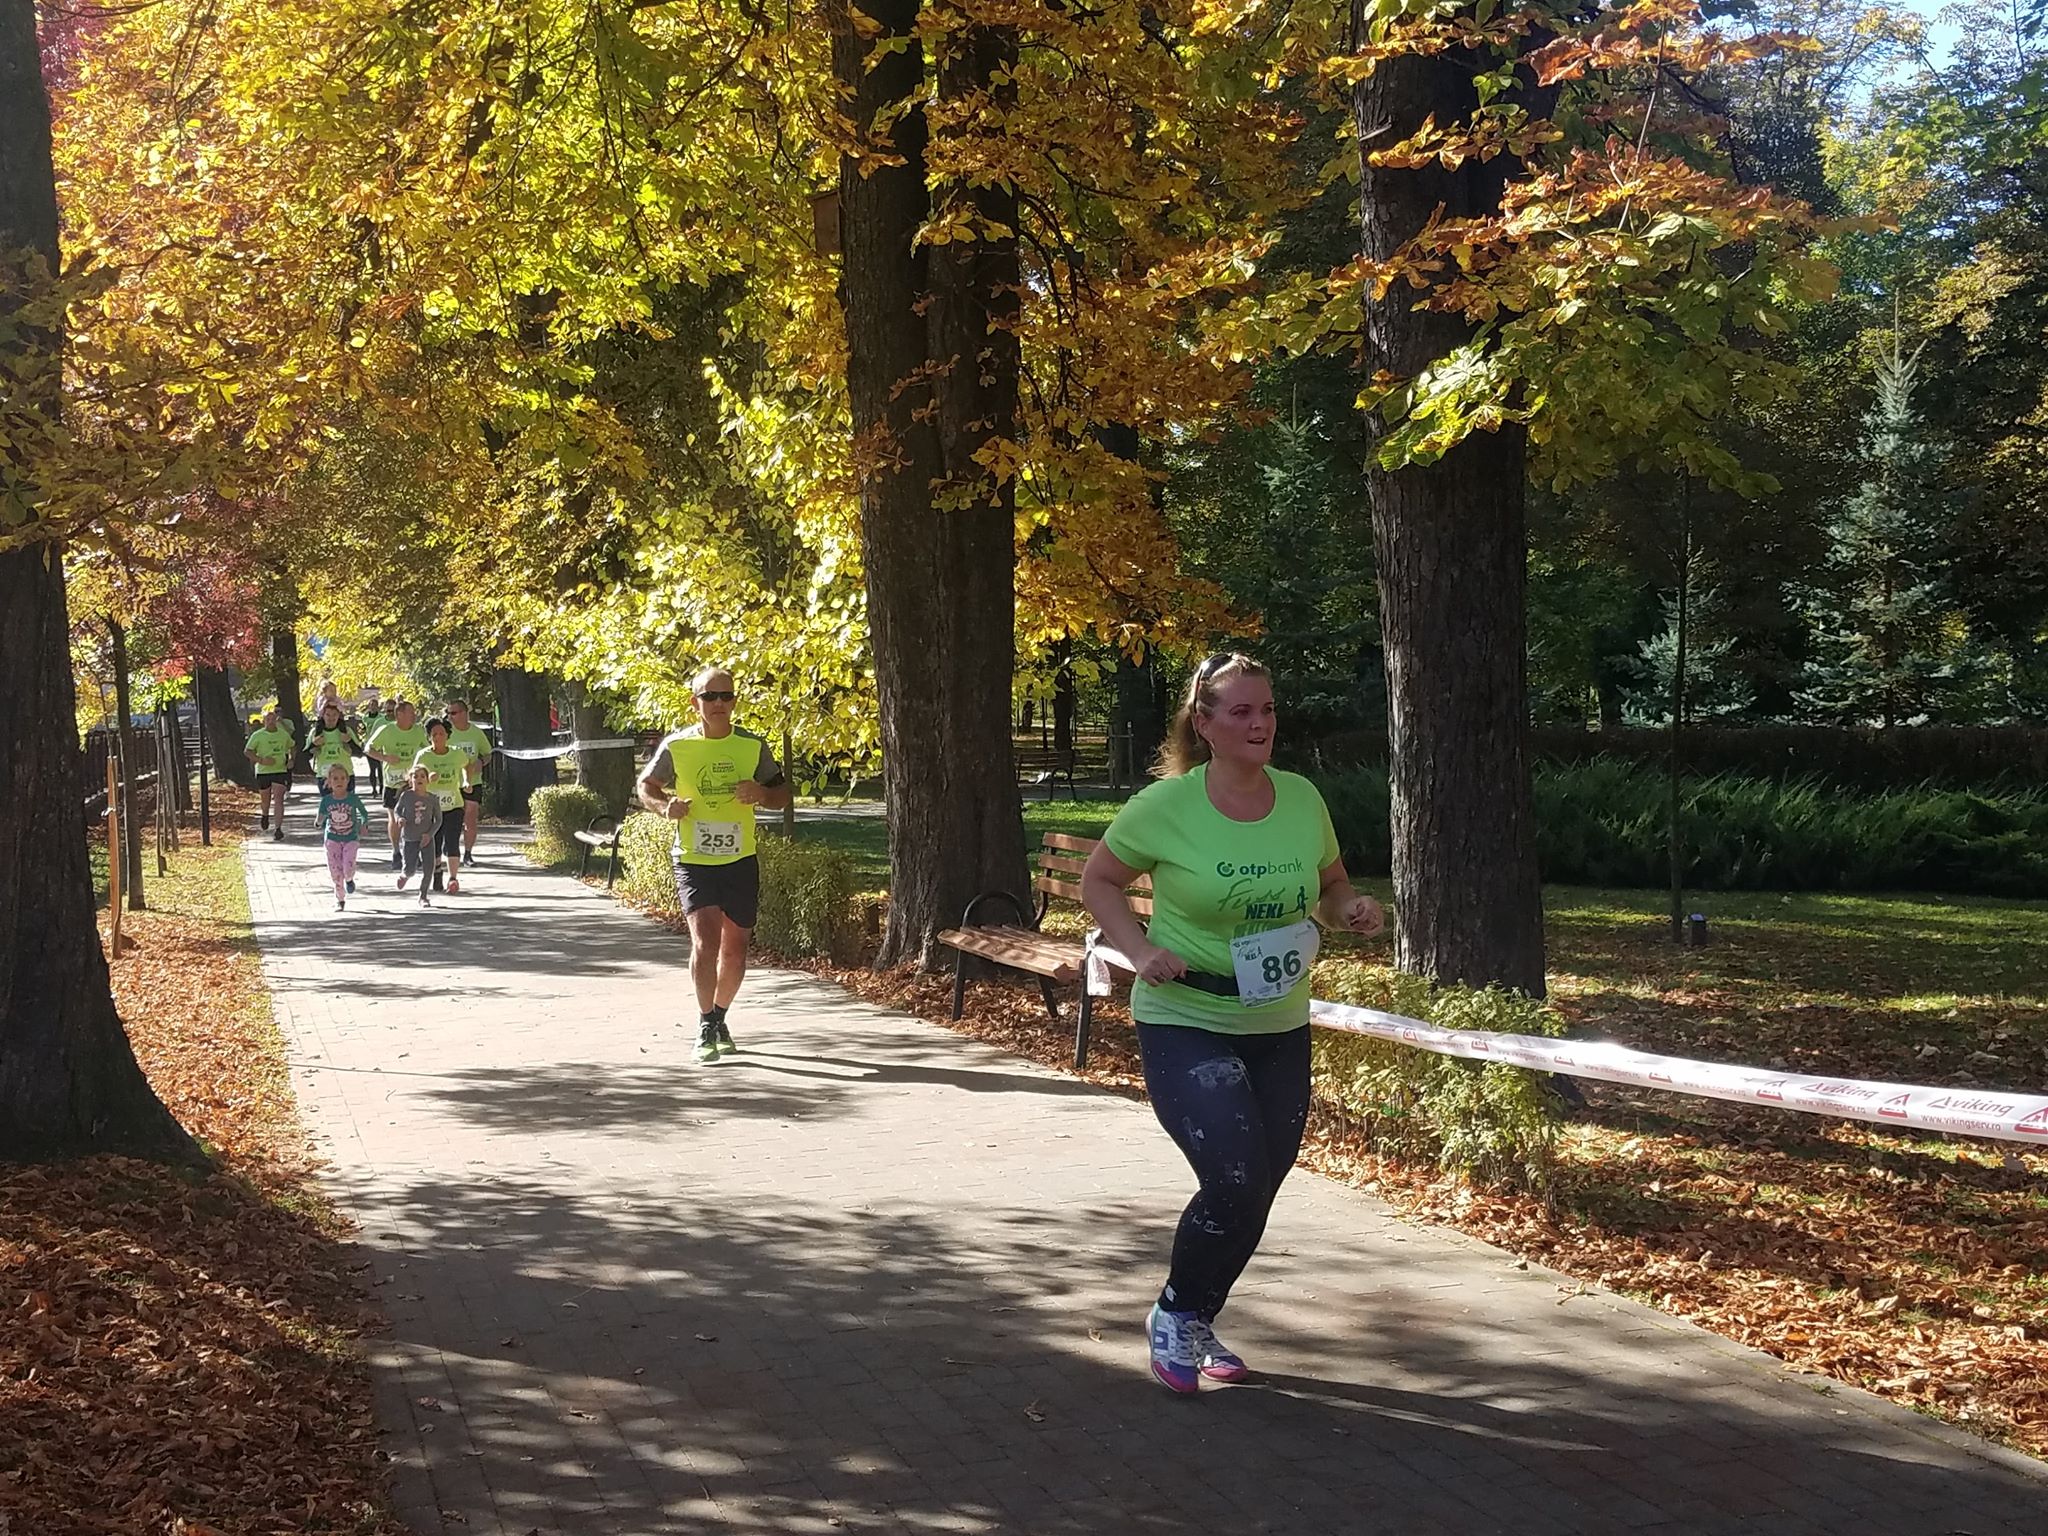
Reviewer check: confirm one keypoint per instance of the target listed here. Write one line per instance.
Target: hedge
(1603, 823)
(558, 812)
(2002, 758)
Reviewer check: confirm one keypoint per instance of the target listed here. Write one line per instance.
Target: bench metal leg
(1052, 998)
(959, 981)
(612, 870)
(1083, 1017)
(583, 869)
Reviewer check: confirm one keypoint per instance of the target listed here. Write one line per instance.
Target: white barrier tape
(1991, 1113)
(563, 749)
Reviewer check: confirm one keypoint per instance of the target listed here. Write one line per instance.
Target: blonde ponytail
(1184, 747)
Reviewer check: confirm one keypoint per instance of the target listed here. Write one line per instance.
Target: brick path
(869, 1276)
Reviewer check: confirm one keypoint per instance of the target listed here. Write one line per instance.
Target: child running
(417, 811)
(342, 819)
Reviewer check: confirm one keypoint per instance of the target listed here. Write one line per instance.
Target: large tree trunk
(226, 730)
(522, 723)
(68, 1081)
(927, 328)
(1452, 549)
(608, 771)
(291, 707)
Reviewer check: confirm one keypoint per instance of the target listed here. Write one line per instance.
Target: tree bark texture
(932, 378)
(226, 729)
(522, 722)
(69, 1084)
(1451, 543)
(608, 771)
(291, 708)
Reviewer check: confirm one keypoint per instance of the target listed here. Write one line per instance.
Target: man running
(708, 779)
(270, 747)
(397, 742)
(472, 743)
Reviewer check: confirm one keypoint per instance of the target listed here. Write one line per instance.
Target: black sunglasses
(717, 696)
(1211, 667)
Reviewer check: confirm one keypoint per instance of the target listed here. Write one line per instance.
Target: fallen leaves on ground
(177, 1351)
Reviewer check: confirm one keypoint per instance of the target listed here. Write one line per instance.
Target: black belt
(1210, 982)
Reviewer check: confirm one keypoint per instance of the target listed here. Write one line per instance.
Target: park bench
(1020, 946)
(1047, 766)
(603, 832)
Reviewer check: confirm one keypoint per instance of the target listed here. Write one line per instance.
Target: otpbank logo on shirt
(1253, 894)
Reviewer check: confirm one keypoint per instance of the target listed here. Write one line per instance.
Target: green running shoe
(707, 1042)
(725, 1045)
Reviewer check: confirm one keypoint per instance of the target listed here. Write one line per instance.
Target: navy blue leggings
(1235, 1105)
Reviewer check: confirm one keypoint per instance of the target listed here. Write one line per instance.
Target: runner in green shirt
(447, 771)
(1243, 863)
(269, 747)
(330, 742)
(396, 743)
(470, 740)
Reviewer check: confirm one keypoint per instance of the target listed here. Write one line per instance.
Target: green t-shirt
(402, 742)
(273, 749)
(1214, 880)
(444, 774)
(330, 744)
(473, 744)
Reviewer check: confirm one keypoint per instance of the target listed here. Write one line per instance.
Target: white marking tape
(564, 748)
(1987, 1112)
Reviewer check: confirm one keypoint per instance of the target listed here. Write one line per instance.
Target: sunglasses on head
(1211, 667)
(717, 696)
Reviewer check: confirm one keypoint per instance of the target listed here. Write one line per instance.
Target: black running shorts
(270, 780)
(735, 888)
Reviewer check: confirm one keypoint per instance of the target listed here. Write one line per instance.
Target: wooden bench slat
(595, 839)
(1066, 842)
(1020, 948)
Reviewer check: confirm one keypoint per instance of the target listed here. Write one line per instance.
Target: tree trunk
(608, 771)
(69, 1084)
(1451, 544)
(522, 722)
(131, 770)
(291, 708)
(1065, 702)
(1140, 712)
(926, 328)
(226, 730)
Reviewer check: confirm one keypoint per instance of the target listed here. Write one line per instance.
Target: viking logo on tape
(2035, 1124)
(1894, 1108)
(1774, 1091)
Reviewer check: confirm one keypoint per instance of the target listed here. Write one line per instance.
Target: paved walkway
(870, 1276)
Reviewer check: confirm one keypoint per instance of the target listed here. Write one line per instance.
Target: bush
(1483, 1121)
(1981, 757)
(1602, 822)
(557, 813)
(808, 891)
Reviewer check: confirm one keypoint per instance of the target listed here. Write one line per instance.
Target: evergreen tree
(1714, 685)
(1887, 643)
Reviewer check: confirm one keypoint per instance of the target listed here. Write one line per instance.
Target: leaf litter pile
(1914, 1266)
(177, 1351)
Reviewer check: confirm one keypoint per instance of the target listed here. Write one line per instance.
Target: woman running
(1243, 860)
(447, 771)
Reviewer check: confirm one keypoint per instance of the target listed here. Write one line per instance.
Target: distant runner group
(430, 775)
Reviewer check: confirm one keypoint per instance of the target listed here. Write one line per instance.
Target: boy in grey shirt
(419, 818)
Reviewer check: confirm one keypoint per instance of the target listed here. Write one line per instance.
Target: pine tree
(1887, 644)
(1713, 688)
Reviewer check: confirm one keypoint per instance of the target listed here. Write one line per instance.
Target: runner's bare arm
(1103, 880)
(1339, 906)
